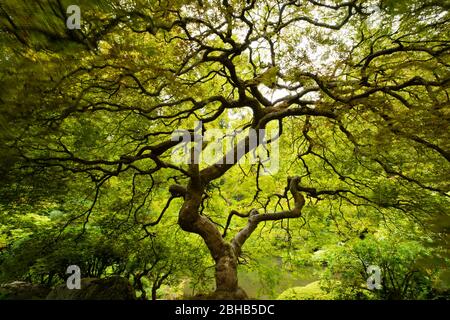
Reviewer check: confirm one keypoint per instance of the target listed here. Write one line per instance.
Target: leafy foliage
(356, 95)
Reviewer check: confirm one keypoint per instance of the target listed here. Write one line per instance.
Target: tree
(403, 276)
(148, 264)
(357, 92)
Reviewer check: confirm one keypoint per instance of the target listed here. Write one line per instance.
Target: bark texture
(224, 253)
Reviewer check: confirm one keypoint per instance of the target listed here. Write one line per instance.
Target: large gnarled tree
(369, 77)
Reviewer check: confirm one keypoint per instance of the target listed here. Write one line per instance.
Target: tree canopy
(116, 140)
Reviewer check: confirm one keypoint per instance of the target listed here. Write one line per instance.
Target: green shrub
(312, 291)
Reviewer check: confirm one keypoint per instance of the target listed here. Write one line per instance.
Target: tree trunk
(138, 285)
(226, 276)
(225, 254)
(221, 251)
(154, 291)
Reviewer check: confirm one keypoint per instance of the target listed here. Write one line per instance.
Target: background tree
(357, 90)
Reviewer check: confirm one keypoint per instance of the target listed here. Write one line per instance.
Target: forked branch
(255, 218)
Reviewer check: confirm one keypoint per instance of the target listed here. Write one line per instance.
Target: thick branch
(255, 218)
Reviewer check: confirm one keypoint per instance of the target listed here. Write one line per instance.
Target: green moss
(311, 291)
